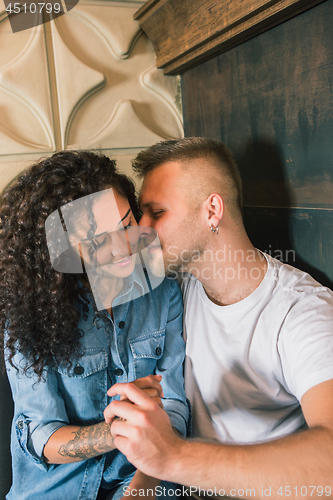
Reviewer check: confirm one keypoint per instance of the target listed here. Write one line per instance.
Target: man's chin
(156, 264)
(173, 269)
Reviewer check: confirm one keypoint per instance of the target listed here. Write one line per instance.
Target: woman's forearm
(73, 443)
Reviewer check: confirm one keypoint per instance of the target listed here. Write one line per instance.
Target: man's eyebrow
(149, 204)
(128, 211)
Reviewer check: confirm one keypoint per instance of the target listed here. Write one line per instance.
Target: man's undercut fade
(193, 148)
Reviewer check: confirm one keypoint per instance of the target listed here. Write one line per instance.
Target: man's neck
(231, 271)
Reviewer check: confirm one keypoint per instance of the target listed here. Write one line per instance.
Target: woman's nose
(120, 246)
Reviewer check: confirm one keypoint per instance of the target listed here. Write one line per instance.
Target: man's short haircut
(193, 148)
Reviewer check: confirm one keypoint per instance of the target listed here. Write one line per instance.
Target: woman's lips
(124, 262)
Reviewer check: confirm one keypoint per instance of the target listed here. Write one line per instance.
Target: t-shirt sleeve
(306, 343)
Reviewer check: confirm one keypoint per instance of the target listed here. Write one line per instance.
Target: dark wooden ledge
(187, 32)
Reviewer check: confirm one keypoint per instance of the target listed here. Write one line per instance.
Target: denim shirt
(144, 338)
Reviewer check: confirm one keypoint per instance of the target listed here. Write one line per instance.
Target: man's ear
(214, 209)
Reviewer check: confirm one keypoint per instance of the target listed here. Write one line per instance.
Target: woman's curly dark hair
(37, 302)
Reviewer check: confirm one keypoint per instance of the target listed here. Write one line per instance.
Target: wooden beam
(186, 32)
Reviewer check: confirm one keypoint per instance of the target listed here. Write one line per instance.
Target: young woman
(77, 314)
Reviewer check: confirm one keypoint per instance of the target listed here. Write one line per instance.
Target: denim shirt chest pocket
(147, 350)
(83, 387)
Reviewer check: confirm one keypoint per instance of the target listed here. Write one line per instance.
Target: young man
(259, 333)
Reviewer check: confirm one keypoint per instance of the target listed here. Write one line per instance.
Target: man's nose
(146, 231)
(147, 235)
(145, 220)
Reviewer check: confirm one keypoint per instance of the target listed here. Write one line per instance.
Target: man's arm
(282, 467)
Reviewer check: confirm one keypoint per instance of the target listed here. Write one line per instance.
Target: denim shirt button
(78, 370)
(121, 324)
(158, 351)
(118, 372)
(20, 424)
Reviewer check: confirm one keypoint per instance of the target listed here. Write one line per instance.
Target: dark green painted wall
(6, 417)
(271, 101)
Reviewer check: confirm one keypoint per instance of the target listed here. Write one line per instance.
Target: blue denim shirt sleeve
(170, 365)
(40, 410)
(40, 436)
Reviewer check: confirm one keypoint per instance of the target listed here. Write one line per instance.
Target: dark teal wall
(271, 101)
(6, 416)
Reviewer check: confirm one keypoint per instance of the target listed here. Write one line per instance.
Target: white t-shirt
(248, 364)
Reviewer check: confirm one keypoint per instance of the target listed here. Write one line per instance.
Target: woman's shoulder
(171, 284)
(169, 291)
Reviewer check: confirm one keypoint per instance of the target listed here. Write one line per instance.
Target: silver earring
(214, 229)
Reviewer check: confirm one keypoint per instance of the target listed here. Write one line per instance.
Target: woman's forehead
(98, 213)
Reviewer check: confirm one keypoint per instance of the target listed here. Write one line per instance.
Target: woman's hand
(151, 386)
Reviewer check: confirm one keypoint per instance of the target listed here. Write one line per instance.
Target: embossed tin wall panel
(26, 114)
(86, 80)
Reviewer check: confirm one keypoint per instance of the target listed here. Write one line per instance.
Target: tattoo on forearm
(88, 442)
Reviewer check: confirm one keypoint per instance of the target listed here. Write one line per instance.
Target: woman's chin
(120, 269)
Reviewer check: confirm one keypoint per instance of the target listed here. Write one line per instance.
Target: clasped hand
(150, 385)
(143, 431)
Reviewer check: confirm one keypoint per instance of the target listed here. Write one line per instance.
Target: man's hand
(144, 434)
(150, 385)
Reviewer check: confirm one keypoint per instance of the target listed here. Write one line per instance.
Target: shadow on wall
(274, 219)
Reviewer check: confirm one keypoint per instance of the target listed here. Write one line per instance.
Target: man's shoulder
(291, 279)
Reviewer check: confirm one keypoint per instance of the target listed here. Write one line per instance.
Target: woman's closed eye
(96, 244)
